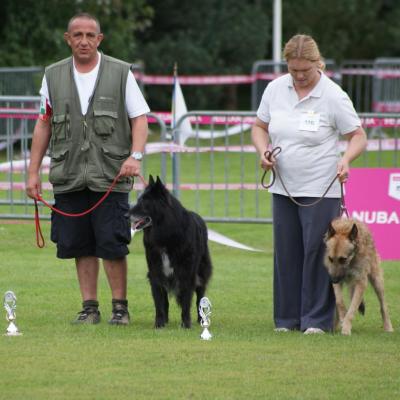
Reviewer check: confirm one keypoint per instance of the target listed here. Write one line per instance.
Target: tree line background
(202, 36)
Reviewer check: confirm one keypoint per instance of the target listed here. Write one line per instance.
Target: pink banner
(246, 79)
(373, 196)
(386, 106)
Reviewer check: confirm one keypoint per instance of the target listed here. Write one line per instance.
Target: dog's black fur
(176, 245)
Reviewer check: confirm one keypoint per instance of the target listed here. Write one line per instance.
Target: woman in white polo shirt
(304, 113)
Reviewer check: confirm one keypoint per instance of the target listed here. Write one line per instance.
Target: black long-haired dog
(176, 245)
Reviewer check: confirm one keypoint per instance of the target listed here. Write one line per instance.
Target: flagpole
(173, 120)
(175, 136)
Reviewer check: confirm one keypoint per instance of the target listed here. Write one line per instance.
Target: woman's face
(305, 73)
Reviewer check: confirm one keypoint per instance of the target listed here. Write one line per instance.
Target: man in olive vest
(93, 121)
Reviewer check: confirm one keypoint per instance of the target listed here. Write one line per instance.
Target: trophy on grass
(10, 304)
(205, 312)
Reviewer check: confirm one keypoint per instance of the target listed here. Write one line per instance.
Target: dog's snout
(140, 223)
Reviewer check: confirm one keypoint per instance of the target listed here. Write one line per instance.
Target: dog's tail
(361, 308)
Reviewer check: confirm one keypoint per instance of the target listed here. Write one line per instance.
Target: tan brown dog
(351, 258)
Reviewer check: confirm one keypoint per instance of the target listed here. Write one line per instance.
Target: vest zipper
(67, 122)
(84, 141)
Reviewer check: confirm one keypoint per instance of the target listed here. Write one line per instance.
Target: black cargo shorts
(103, 233)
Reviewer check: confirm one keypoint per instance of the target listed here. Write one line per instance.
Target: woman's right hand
(266, 162)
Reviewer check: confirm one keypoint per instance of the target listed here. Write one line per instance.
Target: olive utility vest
(88, 150)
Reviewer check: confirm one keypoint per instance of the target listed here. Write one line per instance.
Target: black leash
(275, 173)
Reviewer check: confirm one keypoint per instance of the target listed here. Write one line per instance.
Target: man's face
(83, 37)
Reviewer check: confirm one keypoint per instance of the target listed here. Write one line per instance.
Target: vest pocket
(60, 127)
(104, 122)
(113, 157)
(58, 168)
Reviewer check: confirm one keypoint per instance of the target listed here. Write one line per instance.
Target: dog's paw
(186, 324)
(158, 324)
(346, 329)
(388, 328)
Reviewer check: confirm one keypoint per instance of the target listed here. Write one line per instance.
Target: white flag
(185, 128)
(178, 109)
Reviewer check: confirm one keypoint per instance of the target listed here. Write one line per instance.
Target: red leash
(39, 236)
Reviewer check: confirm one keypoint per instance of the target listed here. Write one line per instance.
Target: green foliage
(32, 30)
(207, 36)
(203, 37)
(346, 29)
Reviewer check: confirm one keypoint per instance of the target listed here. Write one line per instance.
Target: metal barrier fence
(215, 171)
(386, 93)
(357, 78)
(20, 81)
(372, 85)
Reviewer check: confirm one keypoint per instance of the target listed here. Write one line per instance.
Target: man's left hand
(130, 167)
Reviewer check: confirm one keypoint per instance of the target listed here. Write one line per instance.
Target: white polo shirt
(134, 101)
(308, 132)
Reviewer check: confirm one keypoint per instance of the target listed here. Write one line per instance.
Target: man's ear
(66, 38)
(100, 38)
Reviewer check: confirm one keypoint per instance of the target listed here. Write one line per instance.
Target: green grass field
(245, 360)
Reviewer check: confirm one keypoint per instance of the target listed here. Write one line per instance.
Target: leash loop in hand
(268, 155)
(273, 153)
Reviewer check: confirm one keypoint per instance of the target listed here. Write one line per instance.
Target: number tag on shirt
(309, 121)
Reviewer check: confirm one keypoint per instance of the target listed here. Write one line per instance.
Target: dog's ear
(331, 231)
(151, 180)
(353, 233)
(159, 183)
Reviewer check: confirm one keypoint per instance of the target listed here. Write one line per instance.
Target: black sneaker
(120, 315)
(89, 315)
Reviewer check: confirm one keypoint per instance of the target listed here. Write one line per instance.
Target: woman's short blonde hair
(303, 46)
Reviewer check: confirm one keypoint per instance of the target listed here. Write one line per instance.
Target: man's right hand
(33, 185)
(40, 143)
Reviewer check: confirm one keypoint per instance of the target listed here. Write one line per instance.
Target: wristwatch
(137, 155)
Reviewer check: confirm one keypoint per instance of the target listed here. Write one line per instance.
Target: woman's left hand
(343, 169)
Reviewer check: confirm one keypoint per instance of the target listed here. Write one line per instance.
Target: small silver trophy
(10, 304)
(205, 312)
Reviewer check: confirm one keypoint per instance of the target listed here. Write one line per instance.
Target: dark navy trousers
(303, 294)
